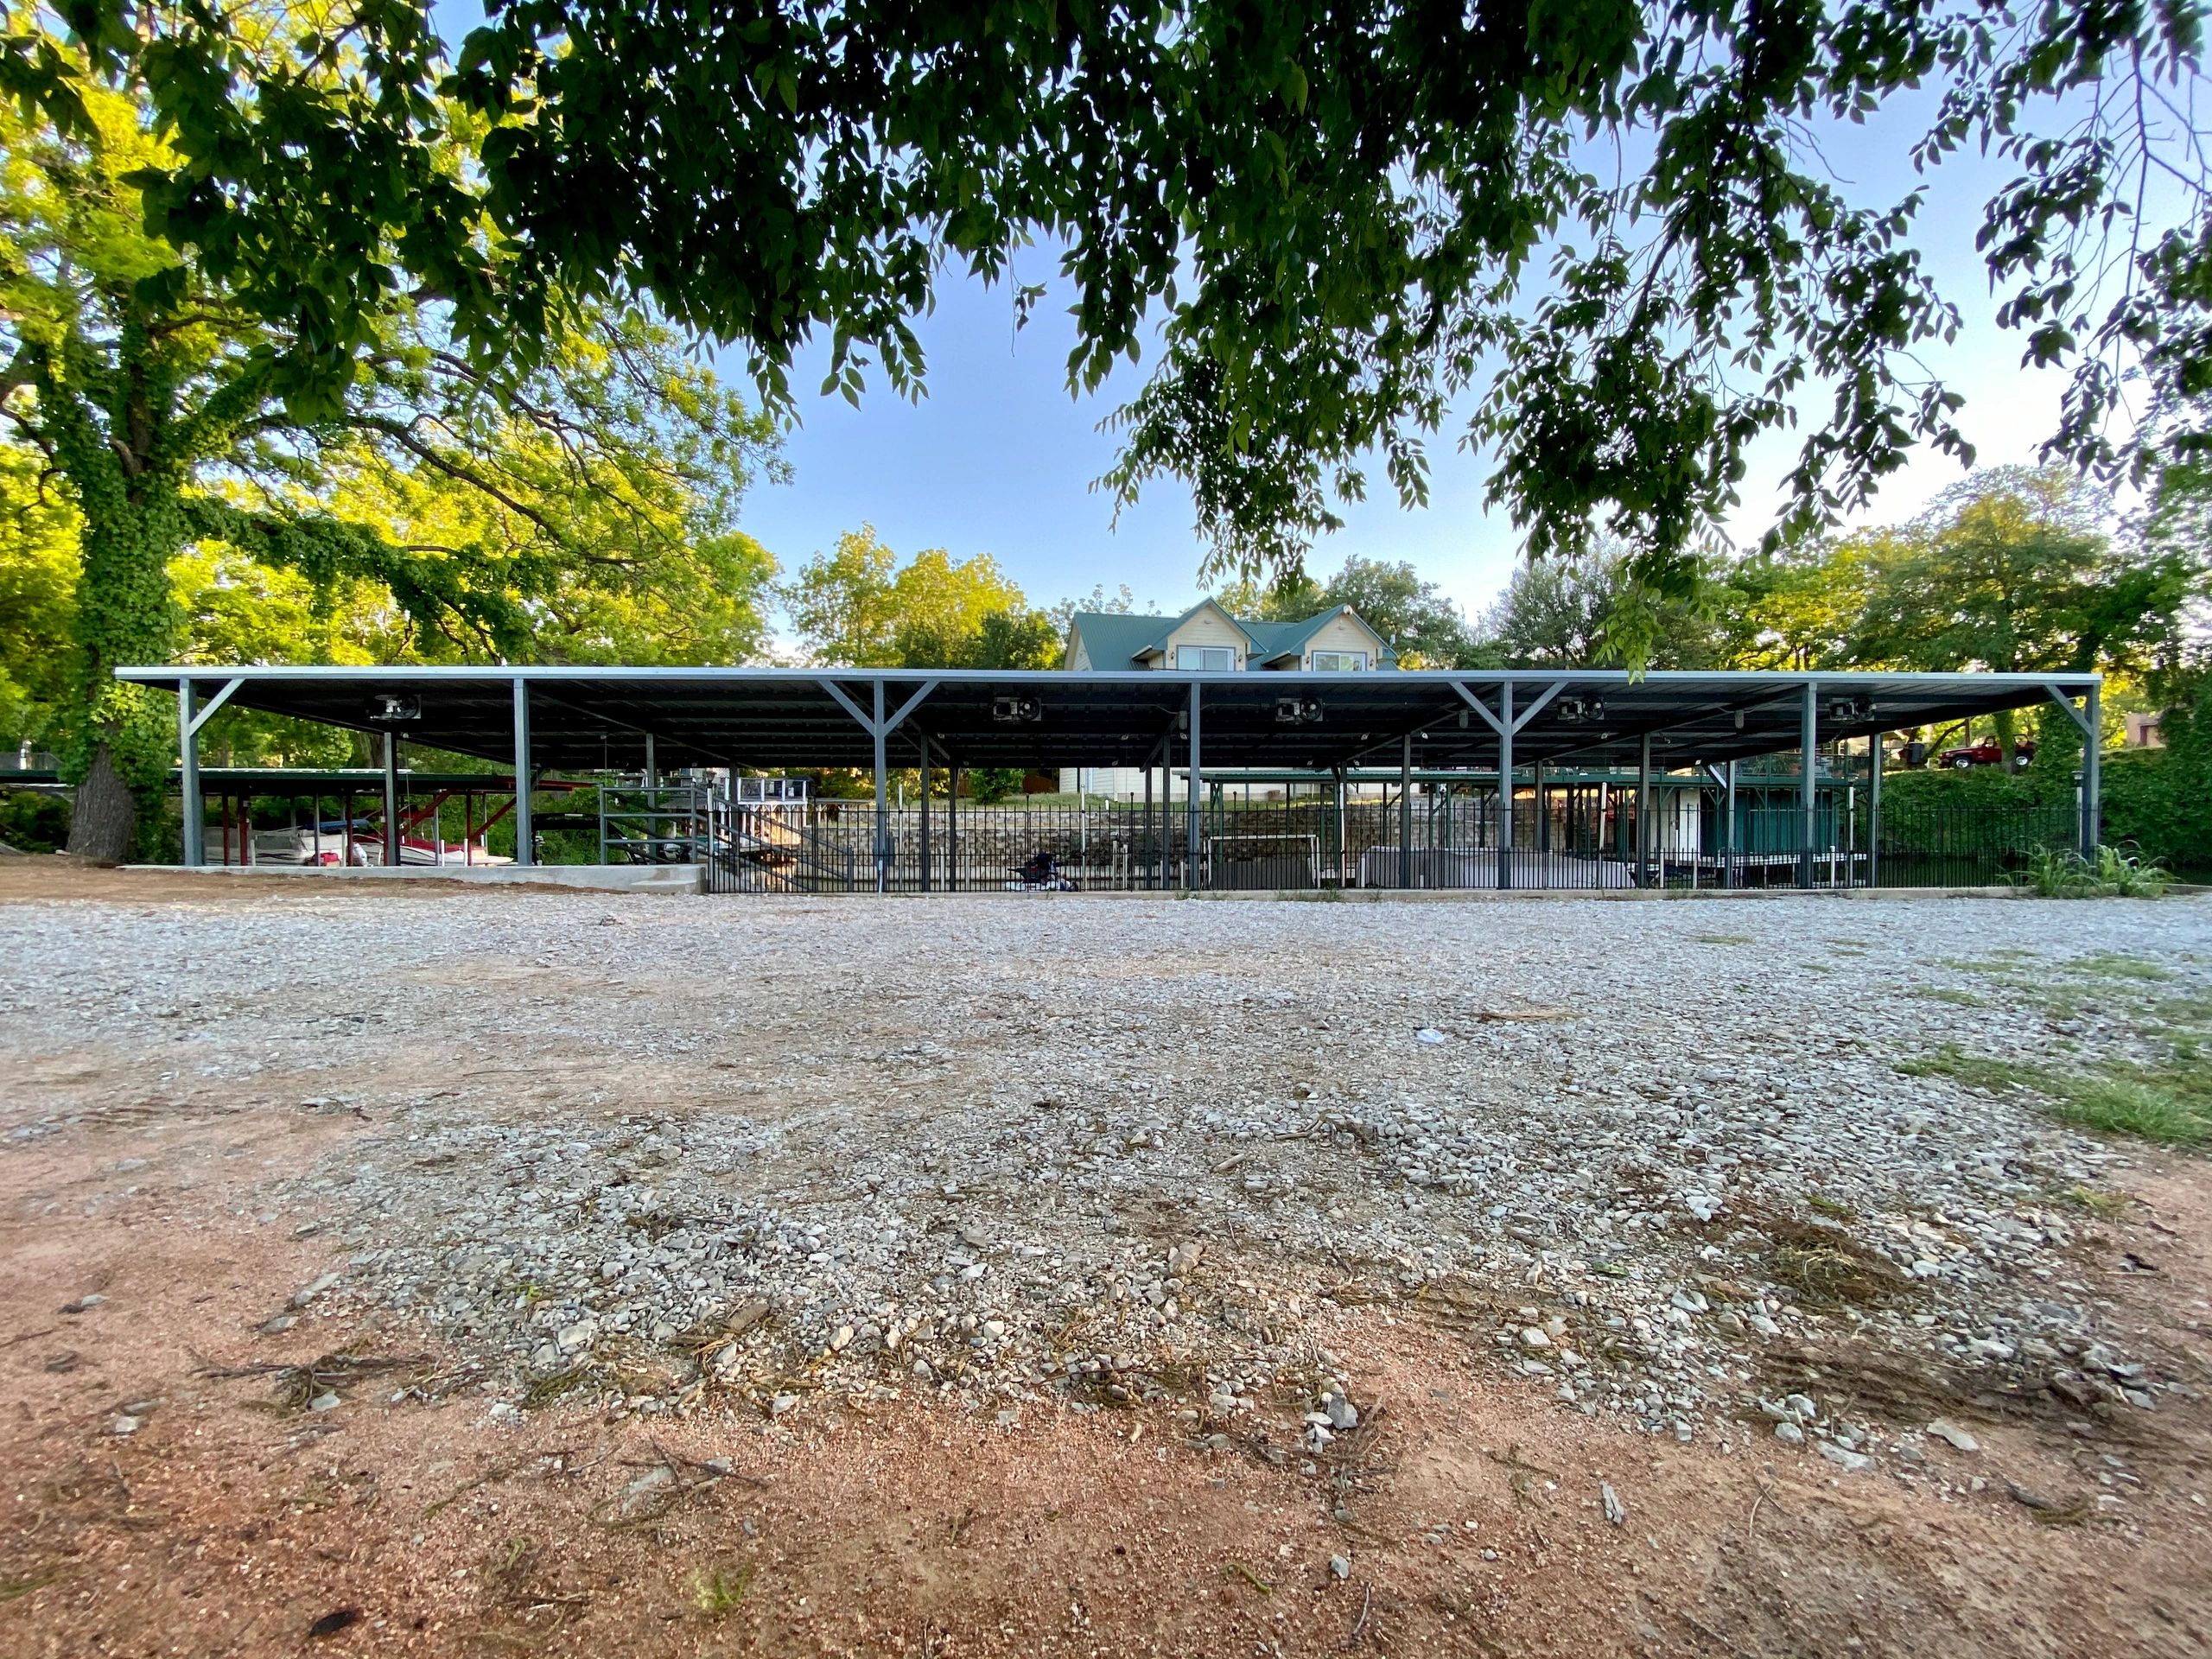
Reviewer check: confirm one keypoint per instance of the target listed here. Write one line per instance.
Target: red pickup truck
(1986, 753)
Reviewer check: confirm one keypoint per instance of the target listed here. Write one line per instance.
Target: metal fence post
(1191, 870)
(1147, 851)
(925, 814)
(392, 855)
(1643, 813)
(1406, 814)
(1874, 810)
(952, 826)
(882, 817)
(1344, 835)
(1730, 876)
(1808, 783)
(1505, 785)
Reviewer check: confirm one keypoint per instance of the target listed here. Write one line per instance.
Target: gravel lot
(679, 1154)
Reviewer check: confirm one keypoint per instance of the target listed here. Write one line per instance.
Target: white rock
(1948, 1432)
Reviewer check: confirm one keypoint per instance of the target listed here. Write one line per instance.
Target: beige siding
(1343, 632)
(1208, 628)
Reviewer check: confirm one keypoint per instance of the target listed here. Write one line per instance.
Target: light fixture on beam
(1298, 711)
(394, 709)
(1580, 711)
(1017, 711)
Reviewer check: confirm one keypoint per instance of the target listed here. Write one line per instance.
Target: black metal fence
(1582, 837)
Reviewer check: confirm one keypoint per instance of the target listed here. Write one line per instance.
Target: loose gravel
(675, 1154)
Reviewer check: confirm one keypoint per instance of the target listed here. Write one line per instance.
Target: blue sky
(998, 458)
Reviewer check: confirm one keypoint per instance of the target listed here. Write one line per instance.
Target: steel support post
(1730, 876)
(882, 811)
(1643, 814)
(1505, 785)
(1874, 810)
(1145, 842)
(952, 825)
(194, 814)
(1344, 836)
(1192, 865)
(526, 774)
(392, 855)
(1406, 813)
(2093, 772)
(1808, 745)
(925, 814)
(652, 764)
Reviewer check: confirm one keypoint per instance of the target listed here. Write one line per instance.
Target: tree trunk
(106, 816)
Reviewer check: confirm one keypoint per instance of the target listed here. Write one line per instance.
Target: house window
(1339, 662)
(1210, 659)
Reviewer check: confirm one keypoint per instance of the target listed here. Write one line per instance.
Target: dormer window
(1206, 659)
(1339, 662)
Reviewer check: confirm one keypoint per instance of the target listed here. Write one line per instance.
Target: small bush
(33, 822)
(2113, 873)
(719, 1593)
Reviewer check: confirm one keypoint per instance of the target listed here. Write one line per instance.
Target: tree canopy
(583, 506)
(1610, 224)
(2013, 570)
(858, 606)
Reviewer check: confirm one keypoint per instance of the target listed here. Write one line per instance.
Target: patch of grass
(2114, 964)
(1725, 939)
(2170, 1102)
(720, 1593)
(1828, 1206)
(1826, 1268)
(2103, 1206)
(2147, 1105)
(2191, 1014)
(1996, 964)
(1957, 995)
(547, 1389)
(1975, 1070)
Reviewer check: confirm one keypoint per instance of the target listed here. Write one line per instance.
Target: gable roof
(1115, 639)
(1275, 640)
(1118, 638)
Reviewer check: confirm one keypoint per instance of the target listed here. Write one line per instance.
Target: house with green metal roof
(1206, 638)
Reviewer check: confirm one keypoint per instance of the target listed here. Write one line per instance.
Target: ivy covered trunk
(126, 613)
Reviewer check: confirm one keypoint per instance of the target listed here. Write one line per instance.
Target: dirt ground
(1464, 1516)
